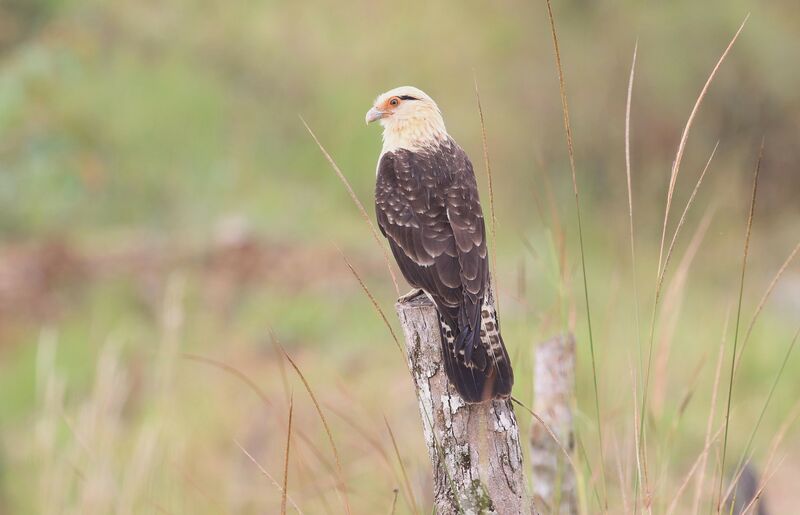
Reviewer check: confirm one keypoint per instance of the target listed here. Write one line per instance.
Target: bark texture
(474, 448)
(554, 382)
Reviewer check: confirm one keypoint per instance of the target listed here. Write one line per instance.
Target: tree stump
(474, 448)
(552, 476)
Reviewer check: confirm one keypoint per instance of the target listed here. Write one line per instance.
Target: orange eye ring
(394, 101)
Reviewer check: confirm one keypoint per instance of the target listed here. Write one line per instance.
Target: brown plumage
(427, 206)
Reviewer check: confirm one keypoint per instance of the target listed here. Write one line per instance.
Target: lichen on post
(474, 448)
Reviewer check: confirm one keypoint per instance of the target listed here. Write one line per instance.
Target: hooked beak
(374, 114)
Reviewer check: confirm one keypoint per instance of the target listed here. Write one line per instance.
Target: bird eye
(394, 101)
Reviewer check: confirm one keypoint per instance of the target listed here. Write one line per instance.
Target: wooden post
(474, 448)
(554, 382)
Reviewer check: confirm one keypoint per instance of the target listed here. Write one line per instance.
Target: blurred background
(163, 209)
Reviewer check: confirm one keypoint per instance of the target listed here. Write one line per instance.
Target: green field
(165, 219)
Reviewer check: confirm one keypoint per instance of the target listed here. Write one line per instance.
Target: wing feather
(428, 208)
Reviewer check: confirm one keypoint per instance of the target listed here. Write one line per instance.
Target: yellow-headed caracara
(427, 205)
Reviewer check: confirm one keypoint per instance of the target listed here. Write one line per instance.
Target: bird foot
(410, 295)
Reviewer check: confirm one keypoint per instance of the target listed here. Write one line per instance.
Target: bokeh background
(160, 197)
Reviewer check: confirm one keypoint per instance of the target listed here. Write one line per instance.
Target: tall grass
(745, 254)
(493, 217)
(339, 471)
(358, 204)
(285, 488)
(130, 445)
(662, 269)
(570, 150)
(88, 473)
(634, 269)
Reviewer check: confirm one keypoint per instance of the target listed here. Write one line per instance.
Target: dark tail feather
(478, 372)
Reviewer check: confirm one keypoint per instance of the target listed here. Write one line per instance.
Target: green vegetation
(159, 195)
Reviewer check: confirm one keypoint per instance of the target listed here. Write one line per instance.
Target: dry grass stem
(630, 200)
(365, 435)
(714, 389)
(641, 479)
(621, 476)
(764, 299)
(261, 395)
(550, 432)
(231, 370)
(670, 311)
(488, 167)
(372, 300)
(281, 366)
(791, 418)
(697, 463)
(682, 219)
(286, 456)
(570, 149)
(745, 458)
(358, 204)
(657, 297)
(340, 473)
(268, 476)
(762, 486)
(673, 179)
(739, 314)
(406, 482)
(394, 501)
(685, 136)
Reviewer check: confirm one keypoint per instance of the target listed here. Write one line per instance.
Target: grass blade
(637, 325)
(658, 290)
(682, 219)
(761, 488)
(636, 440)
(621, 475)
(745, 458)
(738, 318)
(373, 301)
(670, 311)
(630, 198)
(550, 432)
(570, 148)
(259, 392)
(358, 204)
(267, 475)
(700, 458)
(764, 299)
(714, 390)
(340, 473)
(406, 482)
(685, 136)
(232, 370)
(286, 456)
(670, 191)
(495, 279)
(659, 271)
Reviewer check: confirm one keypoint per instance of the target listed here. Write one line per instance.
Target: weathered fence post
(474, 448)
(552, 477)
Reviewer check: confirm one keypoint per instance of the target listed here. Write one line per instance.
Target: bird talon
(413, 294)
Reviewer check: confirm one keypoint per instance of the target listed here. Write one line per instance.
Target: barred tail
(477, 362)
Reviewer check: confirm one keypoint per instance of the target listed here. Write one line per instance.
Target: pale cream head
(410, 119)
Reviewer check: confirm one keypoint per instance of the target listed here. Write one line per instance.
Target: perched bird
(427, 205)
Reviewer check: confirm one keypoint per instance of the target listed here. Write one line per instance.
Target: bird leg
(416, 292)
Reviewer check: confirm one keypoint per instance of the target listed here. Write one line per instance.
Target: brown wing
(467, 225)
(427, 206)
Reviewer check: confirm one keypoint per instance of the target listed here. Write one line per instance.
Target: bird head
(410, 118)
